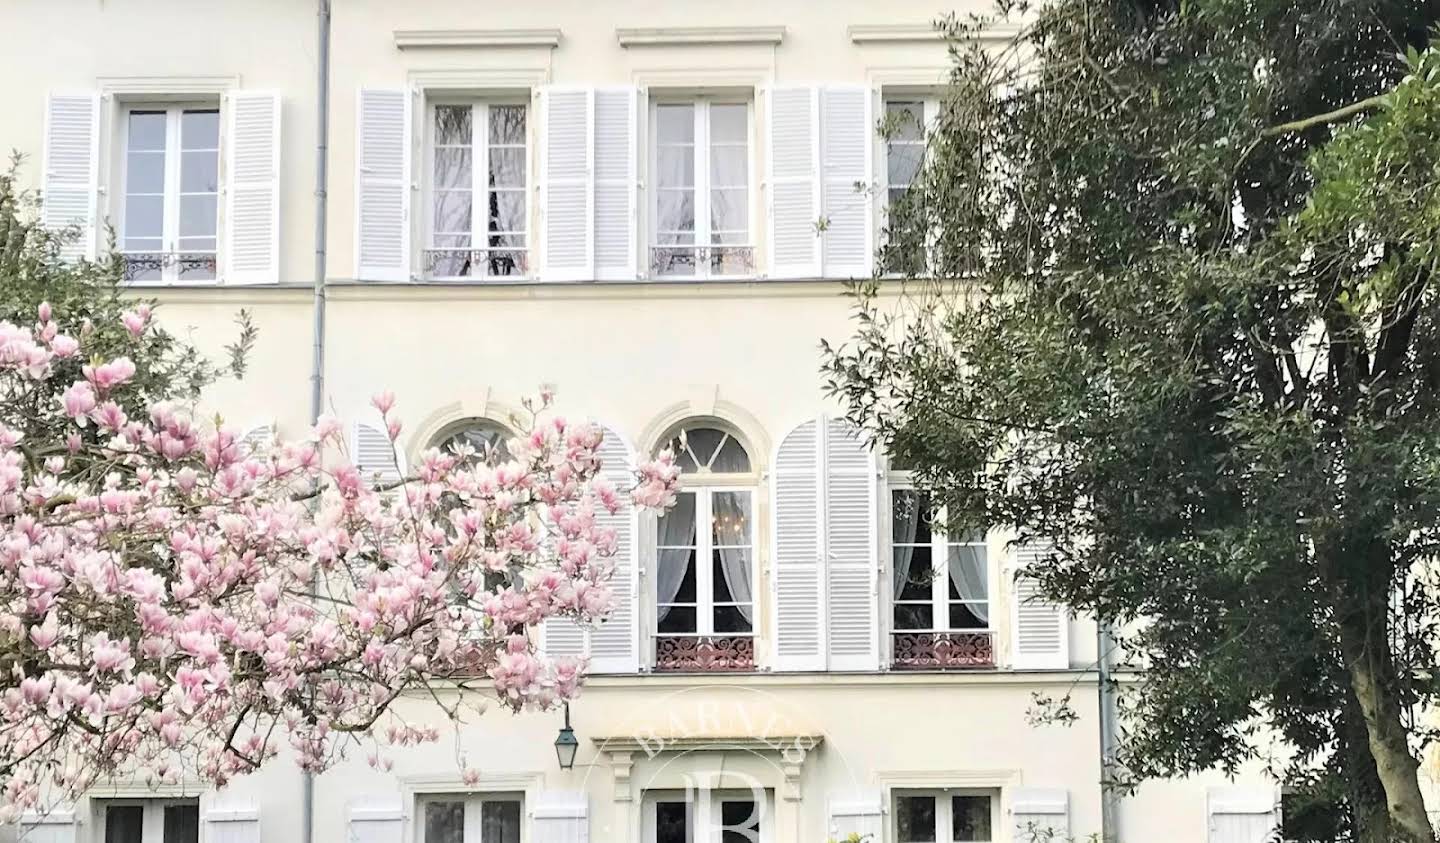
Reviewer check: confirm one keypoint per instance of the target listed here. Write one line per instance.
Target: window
(946, 816)
(470, 819)
(701, 171)
(940, 587)
(479, 191)
(169, 213)
(707, 816)
(705, 558)
(907, 119)
(150, 821)
(483, 438)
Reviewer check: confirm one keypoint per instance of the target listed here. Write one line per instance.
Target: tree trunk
(1364, 794)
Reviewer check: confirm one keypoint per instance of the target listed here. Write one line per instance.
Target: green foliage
(1186, 328)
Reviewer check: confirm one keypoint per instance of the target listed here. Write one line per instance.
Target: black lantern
(565, 743)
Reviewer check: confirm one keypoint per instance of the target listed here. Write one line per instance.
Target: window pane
(914, 576)
(967, 579)
(676, 620)
(729, 166)
(914, 615)
(507, 210)
(507, 124)
(444, 822)
(971, 818)
(730, 521)
(676, 528)
(199, 172)
(453, 168)
(969, 615)
(733, 620)
(672, 822)
(124, 823)
(500, 822)
(146, 130)
(144, 216)
(507, 168)
(906, 520)
(452, 212)
(730, 210)
(675, 211)
(915, 819)
(740, 821)
(729, 123)
(452, 124)
(676, 580)
(906, 119)
(675, 166)
(144, 172)
(675, 123)
(200, 129)
(197, 216)
(482, 439)
(903, 162)
(182, 823)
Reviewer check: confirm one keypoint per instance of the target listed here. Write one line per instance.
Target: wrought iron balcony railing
(942, 650)
(152, 266)
(702, 261)
(704, 653)
(488, 264)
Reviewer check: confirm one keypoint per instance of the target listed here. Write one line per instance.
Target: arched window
(483, 438)
(705, 555)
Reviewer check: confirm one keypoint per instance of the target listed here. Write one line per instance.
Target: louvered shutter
(259, 438)
(52, 827)
(566, 178)
(616, 183)
(851, 567)
(371, 451)
(232, 826)
(797, 570)
(792, 165)
(69, 185)
(382, 179)
(615, 642)
(252, 188)
(560, 817)
(1242, 815)
(857, 814)
(1039, 627)
(372, 824)
(847, 166)
(1039, 814)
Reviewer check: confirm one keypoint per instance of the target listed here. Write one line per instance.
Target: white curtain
(906, 521)
(967, 572)
(732, 527)
(676, 529)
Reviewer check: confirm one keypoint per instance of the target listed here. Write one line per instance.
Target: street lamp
(565, 743)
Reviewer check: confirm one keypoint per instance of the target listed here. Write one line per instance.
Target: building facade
(652, 206)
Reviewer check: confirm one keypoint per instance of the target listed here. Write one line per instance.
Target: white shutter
(615, 643)
(792, 165)
(1039, 814)
(376, 824)
(796, 576)
(858, 814)
(1242, 815)
(616, 183)
(52, 827)
(259, 438)
(372, 452)
(382, 185)
(252, 188)
(567, 179)
(847, 163)
(232, 826)
(1039, 627)
(560, 816)
(851, 567)
(70, 176)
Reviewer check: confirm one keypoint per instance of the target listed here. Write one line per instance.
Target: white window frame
(479, 185)
(944, 811)
(152, 822)
(170, 198)
(940, 544)
(704, 811)
(704, 566)
(474, 806)
(702, 185)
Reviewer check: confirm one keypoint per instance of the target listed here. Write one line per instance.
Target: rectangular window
(150, 821)
(701, 166)
(704, 583)
(907, 120)
(469, 819)
(946, 816)
(707, 816)
(940, 584)
(169, 214)
(479, 208)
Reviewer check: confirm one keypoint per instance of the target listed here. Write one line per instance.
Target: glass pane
(452, 212)
(451, 264)
(915, 819)
(452, 124)
(971, 818)
(197, 216)
(124, 823)
(507, 168)
(672, 822)
(967, 579)
(507, 124)
(200, 129)
(182, 823)
(198, 265)
(729, 211)
(906, 119)
(903, 162)
(733, 620)
(199, 172)
(507, 210)
(675, 123)
(675, 166)
(500, 822)
(145, 172)
(675, 211)
(969, 616)
(676, 620)
(146, 130)
(444, 822)
(482, 438)
(676, 528)
(740, 821)
(914, 575)
(906, 523)
(730, 521)
(729, 123)
(453, 168)
(144, 216)
(676, 580)
(729, 166)
(914, 615)
(732, 457)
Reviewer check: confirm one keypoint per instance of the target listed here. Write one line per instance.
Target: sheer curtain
(732, 527)
(675, 530)
(967, 572)
(906, 523)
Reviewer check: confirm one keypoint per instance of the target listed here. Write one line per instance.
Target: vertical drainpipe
(1109, 797)
(317, 361)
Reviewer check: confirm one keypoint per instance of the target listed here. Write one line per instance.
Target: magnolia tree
(176, 602)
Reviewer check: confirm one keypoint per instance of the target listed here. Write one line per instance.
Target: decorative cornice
(910, 33)
(407, 39)
(750, 743)
(676, 36)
